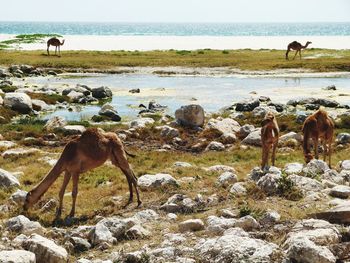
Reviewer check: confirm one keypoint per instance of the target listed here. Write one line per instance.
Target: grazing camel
(80, 155)
(296, 46)
(56, 43)
(269, 138)
(318, 126)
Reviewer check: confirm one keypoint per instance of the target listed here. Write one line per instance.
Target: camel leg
(274, 148)
(296, 53)
(55, 50)
(300, 54)
(61, 194)
(59, 51)
(287, 54)
(316, 147)
(265, 157)
(48, 52)
(325, 149)
(75, 179)
(330, 153)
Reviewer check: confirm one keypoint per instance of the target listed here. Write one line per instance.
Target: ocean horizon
(177, 29)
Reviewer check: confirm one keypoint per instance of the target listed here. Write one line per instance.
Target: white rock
(253, 138)
(19, 197)
(54, 123)
(221, 168)
(149, 181)
(226, 179)
(19, 152)
(168, 132)
(73, 129)
(271, 217)
(141, 123)
(238, 189)
(18, 101)
(223, 126)
(182, 164)
(305, 184)
(45, 250)
(289, 136)
(190, 115)
(215, 146)
(315, 167)
(191, 225)
(218, 225)
(22, 224)
(7, 144)
(345, 165)
(293, 168)
(248, 223)
(340, 191)
(7, 179)
(137, 232)
(17, 256)
(99, 234)
(269, 183)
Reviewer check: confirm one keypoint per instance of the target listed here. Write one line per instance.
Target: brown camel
(296, 46)
(80, 155)
(318, 126)
(56, 43)
(269, 139)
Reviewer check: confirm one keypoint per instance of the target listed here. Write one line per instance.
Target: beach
(148, 43)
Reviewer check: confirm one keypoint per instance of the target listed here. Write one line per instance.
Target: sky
(176, 10)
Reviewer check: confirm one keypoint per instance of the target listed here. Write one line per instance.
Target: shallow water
(212, 92)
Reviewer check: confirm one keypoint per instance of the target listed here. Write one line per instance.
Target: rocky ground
(204, 198)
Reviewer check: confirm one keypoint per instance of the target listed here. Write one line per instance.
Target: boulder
(340, 214)
(7, 144)
(223, 126)
(340, 191)
(40, 105)
(226, 178)
(7, 179)
(19, 197)
(269, 183)
(141, 123)
(179, 203)
(45, 250)
(19, 102)
(305, 184)
(191, 225)
(289, 136)
(168, 132)
(343, 138)
(238, 189)
(218, 225)
(21, 224)
(261, 111)
(108, 111)
(315, 167)
(345, 165)
(17, 256)
(73, 129)
(102, 92)
(137, 232)
(245, 130)
(248, 223)
(253, 138)
(215, 146)
(221, 168)
(293, 168)
(149, 181)
(54, 123)
(79, 244)
(247, 105)
(190, 115)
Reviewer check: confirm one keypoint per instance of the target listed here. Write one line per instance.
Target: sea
(177, 29)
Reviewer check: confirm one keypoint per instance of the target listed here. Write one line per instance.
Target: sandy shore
(106, 43)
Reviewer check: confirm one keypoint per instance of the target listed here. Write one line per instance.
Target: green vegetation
(25, 39)
(331, 60)
(287, 188)
(49, 99)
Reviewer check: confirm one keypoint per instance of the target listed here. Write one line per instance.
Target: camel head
(29, 202)
(308, 157)
(62, 42)
(307, 43)
(270, 117)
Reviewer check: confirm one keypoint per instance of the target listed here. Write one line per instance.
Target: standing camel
(269, 139)
(296, 46)
(56, 43)
(318, 126)
(80, 155)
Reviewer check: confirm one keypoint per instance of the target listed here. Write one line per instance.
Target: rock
(218, 225)
(228, 138)
(22, 224)
(73, 129)
(340, 191)
(256, 173)
(179, 203)
(191, 225)
(215, 146)
(190, 115)
(54, 123)
(45, 250)
(331, 87)
(221, 168)
(149, 181)
(245, 130)
(7, 144)
(182, 164)
(141, 123)
(253, 138)
(101, 92)
(19, 102)
(247, 105)
(315, 167)
(288, 136)
(345, 165)
(234, 248)
(248, 223)
(168, 132)
(305, 184)
(341, 251)
(303, 250)
(79, 244)
(340, 214)
(19, 152)
(269, 183)
(137, 232)
(100, 234)
(261, 111)
(270, 217)
(17, 256)
(223, 126)
(293, 168)
(19, 197)
(280, 107)
(40, 105)
(147, 215)
(343, 138)
(238, 189)
(226, 178)
(134, 91)
(7, 179)
(108, 111)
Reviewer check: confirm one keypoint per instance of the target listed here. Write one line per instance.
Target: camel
(56, 43)
(296, 46)
(318, 126)
(81, 154)
(269, 138)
